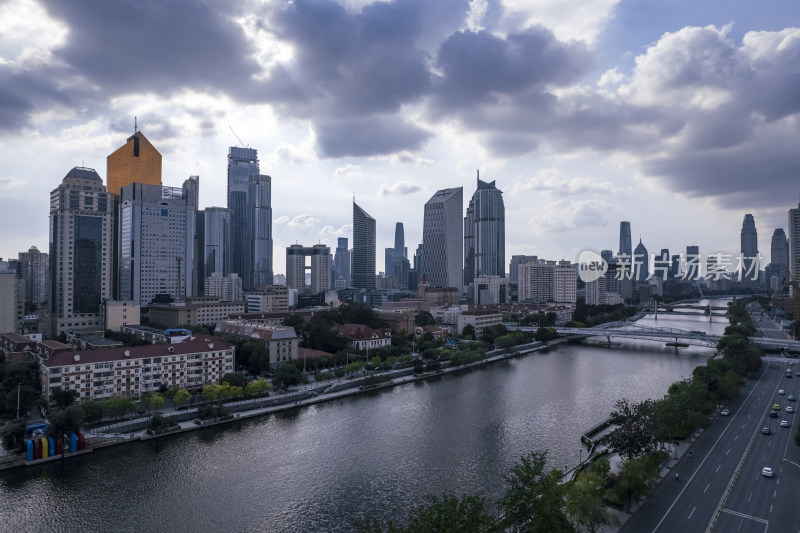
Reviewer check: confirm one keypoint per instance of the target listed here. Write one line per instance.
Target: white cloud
(550, 181)
(341, 231)
(281, 220)
(400, 188)
(349, 171)
(581, 21)
(303, 221)
(563, 215)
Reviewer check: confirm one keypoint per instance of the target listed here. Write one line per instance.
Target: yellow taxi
(776, 407)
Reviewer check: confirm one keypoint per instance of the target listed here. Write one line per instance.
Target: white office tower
(443, 239)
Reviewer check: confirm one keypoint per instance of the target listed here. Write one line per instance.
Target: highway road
(721, 486)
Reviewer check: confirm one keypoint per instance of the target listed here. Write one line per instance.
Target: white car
(724, 412)
(789, 409)
(784, 423)
(766, 472)
(781, 391)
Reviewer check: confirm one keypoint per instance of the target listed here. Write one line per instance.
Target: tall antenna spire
(135, 125)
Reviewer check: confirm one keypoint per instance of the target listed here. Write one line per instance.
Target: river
(321, 467)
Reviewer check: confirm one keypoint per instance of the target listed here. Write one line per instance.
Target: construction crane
(237, 137)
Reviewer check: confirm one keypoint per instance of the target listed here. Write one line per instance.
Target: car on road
(765, 430)
(773, 414)
(784, 423)
(789, 409)
(790, 397)
(724, 412)
(776, 407)
(781, 392)
(766, 472)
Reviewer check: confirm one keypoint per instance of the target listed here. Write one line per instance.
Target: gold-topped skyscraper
(137, 161)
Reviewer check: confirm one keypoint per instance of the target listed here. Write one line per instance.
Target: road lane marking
(719, 438)
(742, 515)
(690, 514)
(729, 451)
(749, 497)
(704, 490)
(720, 466)
(736, 437)
(775, 493)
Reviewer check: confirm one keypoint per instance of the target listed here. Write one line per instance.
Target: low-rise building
(273, 319)
(194, 311)
(479, 320)
(281, 341)
(118, 313)
(271, 299)
(135, 371)
(361, 337)
(17, 348)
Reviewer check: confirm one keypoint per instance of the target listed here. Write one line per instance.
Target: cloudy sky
(677, 115)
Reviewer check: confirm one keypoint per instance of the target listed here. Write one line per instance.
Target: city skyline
(583, 117)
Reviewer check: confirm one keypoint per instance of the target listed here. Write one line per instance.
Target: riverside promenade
(136, 429)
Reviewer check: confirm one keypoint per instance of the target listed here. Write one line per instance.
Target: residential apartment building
(136, 371)
(226, 288)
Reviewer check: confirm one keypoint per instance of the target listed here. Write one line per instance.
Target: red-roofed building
(17, 348)
(281, 341)
(361, 337)
(135, 371)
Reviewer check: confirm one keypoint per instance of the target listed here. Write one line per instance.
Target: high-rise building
(794, 242)
(513, 266)
(607, 255)
(242, 163)
(216, 252)
(363, 258)
(320, 267)
(157, 227)
(443, 238)
(258, 271)
(536, 282)
(137, 161)
(396, 260)
(342, 262)
(565, 280)
(643, 260)
(779, 255)
(485, 233)
(33, 267)
(81, 240)
(625, 238)
(692, 266)
(749, 249)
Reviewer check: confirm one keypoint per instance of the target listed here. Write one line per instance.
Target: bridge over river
(671, 335)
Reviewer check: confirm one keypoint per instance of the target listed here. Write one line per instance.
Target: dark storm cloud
(23, 92)
(479, 67)
(129, 46)
(367, 136)
(353, 69)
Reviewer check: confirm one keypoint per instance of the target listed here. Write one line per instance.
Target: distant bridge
(697, 338)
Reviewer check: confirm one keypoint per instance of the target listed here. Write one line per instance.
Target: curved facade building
(363, 263)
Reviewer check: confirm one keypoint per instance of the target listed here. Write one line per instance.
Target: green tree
(155, 401)
(63, 398)
(584, 501)
(259, 359)
(424, 318)
(633, 478)
(467, 514)
(256, 387)
(634, 435)
(182, 397)
(534, 500)
(286, 375)
(117, 407)
(235, 379)
(67, 420)
(92, 412)
(468, 332)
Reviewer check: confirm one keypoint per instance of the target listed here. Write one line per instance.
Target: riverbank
(135, 430)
